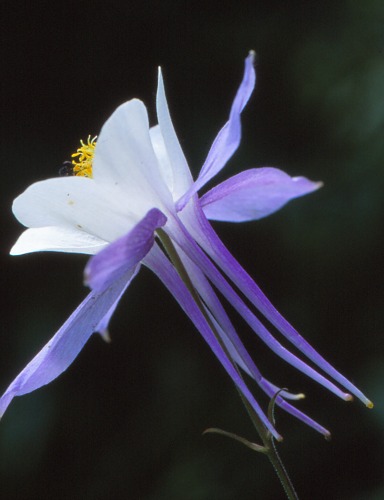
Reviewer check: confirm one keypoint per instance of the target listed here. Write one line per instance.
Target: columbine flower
(135, 203)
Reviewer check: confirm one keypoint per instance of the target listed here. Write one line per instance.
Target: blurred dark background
(126, 420)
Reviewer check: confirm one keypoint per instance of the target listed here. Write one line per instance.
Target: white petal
(162, 156)
(182, 178)
(124, 157)
(78, 203)
(57, 239)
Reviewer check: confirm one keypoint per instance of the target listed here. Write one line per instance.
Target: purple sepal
(123, 254)
(253, 194)
(62, 349)
(228, 139)
(102, 327)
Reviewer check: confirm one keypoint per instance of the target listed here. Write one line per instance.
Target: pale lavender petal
(62, 349)
(164, 270)
(211, 243)
(228, 139)
(181, 175)
(253, 194)
(126, 252)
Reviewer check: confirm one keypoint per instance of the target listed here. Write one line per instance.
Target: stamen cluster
(82, 159)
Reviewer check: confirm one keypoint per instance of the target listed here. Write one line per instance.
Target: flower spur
(138, 205)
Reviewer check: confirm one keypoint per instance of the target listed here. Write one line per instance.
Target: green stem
(269, 447)
(271, 451)
(281, 472)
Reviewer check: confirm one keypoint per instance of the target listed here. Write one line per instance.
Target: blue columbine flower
(131, 202)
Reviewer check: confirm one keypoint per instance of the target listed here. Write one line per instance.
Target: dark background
(126, 420)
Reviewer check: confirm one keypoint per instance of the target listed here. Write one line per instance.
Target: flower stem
(268, 447)
(281, 472)
(271, 451)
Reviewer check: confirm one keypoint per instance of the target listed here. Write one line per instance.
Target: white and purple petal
(141, 182)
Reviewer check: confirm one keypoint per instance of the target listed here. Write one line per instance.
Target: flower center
(82, 159)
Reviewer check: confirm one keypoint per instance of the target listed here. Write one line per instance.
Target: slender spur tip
(369, 404)
(348, 397)
(105, 336)
(289, 395)
(327, 436)
(301, 395)
(252, 54)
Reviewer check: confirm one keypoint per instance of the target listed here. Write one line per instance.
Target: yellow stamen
(82, 165)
